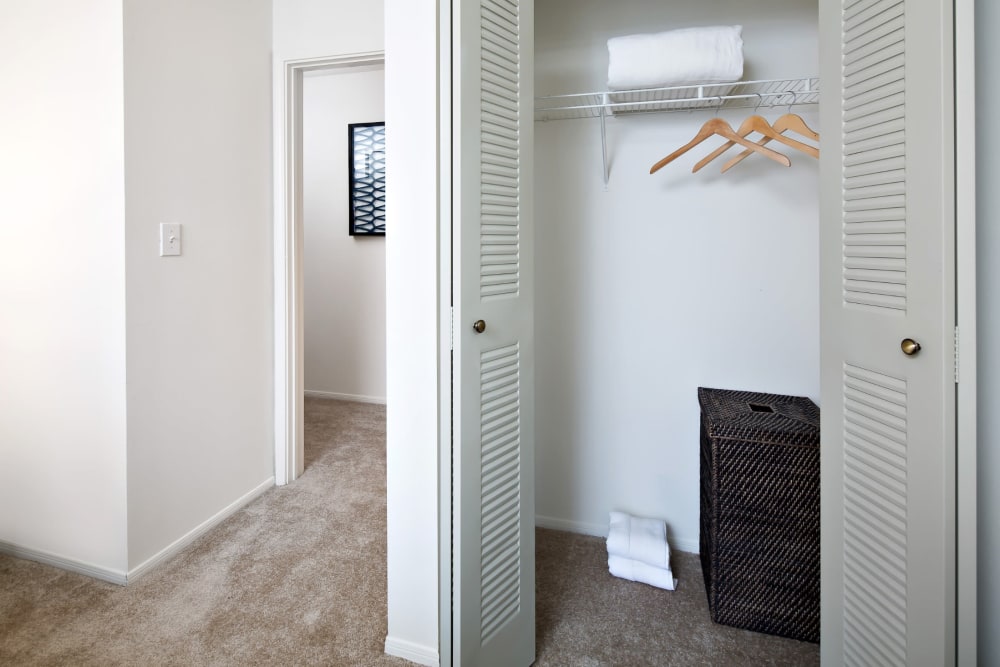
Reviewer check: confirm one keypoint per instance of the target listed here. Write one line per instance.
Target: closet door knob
(909, 347)
(479, 326)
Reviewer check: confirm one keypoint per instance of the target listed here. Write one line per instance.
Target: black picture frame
(366, 178)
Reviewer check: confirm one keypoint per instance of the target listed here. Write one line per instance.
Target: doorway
(344, 269)
(289, 269)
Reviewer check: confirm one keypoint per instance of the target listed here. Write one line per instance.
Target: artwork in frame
(366, 187)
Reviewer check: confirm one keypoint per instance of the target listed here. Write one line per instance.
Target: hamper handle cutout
(755, 407)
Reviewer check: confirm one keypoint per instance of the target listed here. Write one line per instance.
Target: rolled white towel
(633, 570)
(635, 538)
(688, 56)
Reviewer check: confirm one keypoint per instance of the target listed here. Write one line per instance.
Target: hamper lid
(748, 415)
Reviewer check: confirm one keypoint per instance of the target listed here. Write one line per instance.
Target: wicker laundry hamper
(760, 509)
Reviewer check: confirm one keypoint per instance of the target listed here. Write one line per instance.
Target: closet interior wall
(660, 284)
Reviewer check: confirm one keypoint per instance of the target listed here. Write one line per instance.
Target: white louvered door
(887, 264)
(494, 540)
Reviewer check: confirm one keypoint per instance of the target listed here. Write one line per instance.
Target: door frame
(446, 222)
(966, 409)
(289, 388)
(966, 341)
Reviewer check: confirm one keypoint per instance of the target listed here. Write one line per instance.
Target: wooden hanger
(759, 124)
(794, 122)
(723, 129)
(789, 121)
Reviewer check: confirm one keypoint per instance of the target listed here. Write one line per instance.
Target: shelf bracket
(604, 138)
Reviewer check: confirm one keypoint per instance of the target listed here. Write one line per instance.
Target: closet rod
(714, 97)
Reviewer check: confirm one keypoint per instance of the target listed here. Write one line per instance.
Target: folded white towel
(676, 58)
(633, 570)
(644, 540)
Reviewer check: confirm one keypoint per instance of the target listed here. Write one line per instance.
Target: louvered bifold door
(493, 559)
(887, 247)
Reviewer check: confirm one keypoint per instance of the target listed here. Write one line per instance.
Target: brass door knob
(909, 347)
(479, 326)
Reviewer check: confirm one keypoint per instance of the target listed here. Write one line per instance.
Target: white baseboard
(179, 544)
(345, 397)
(64, 563)
(601, 530)
(418, 653)
(687, 546)
(594, 529)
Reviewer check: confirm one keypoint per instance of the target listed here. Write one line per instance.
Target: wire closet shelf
(764, 94)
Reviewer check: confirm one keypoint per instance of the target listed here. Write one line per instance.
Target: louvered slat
(874, 178)
(500, 487)
(500, 140)
(875, 500)
(874, 142)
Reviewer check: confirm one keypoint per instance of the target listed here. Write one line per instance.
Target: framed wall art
(366, 187)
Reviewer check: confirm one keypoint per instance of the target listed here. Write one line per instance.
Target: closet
(654, 285)
(646, 287)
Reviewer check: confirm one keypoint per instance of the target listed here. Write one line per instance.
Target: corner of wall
(412, 297)
(198, 325)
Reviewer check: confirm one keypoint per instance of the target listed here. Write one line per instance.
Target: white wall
(408, 34)
(198, 152)
(62, 283)
(321, 28)
(662, 283)
(988, 313)
(413, 337)
(344, 275)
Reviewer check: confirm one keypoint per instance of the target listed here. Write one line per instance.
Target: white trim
(288, 327)
(594, 529)
(601, 530)
(178, 545)
(354, 398)
(446, 328)
(122, 578)
(965, 248)
(422, 655)
(64, 563)
(687, 546)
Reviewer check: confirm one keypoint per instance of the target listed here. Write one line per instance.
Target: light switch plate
(170, 238)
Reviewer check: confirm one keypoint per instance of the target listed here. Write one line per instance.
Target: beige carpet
(298, 578)
(585, 617)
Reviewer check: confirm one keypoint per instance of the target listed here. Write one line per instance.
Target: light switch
(170, 238)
